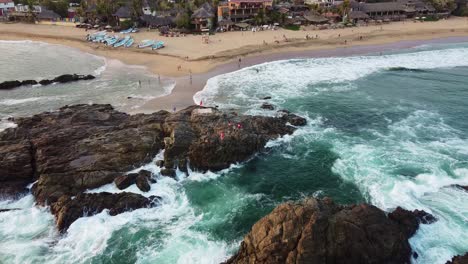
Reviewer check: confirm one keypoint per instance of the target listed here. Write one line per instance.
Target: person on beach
(240, 61)
(201, 102)
(174, 109)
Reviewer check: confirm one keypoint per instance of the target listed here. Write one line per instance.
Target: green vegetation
(292, 27)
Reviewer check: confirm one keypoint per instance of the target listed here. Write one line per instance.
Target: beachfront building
(203, 17)
(6, 6)
(123, 14)
(241, 10)
(39, 13)
(390, 11)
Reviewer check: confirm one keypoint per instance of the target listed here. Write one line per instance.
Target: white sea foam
(19, 101)
(289, 79)
(4, 124)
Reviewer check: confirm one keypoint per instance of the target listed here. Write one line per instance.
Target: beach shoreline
(212, 61)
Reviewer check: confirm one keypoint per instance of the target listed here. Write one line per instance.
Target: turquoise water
(390, 130)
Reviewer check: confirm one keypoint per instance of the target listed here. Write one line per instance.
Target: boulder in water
(9, 85)
(68, 209)
(142, 180)
(267, 106)
(319, 231)
(168, 173)
(124, 181)
(461, 259)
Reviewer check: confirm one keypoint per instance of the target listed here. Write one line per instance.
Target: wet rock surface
(462, 259)
(83, 147)
(319, 231)
(65, 78)
(68, 209)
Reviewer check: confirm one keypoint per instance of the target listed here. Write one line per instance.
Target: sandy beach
(202, 61)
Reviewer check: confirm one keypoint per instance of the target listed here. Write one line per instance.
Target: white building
(6, 6)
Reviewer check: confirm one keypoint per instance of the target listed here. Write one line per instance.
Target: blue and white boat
(112, 41)
(146, 43)
(122, 42)
(129, 43)
(126, 31)
(158, 45)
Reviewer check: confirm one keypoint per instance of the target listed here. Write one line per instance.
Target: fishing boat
(135, 30)
(146, 43)
(158, 45)
(129, 43)
(121, 42)
(126, 31)
(113, 41)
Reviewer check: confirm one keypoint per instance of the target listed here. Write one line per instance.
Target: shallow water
(115, 81)
(390, 130)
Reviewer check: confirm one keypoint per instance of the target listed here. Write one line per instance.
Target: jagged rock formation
(319, 231)
(86, 146)
(65, 78)
(462, 259)
(67, 210)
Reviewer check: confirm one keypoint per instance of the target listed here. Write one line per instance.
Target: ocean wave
(288, 79)
(19, 101)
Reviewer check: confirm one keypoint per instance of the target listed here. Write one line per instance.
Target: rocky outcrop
(462, 259)
(68, 209)
(77, 148)
(83, 147)
(213, 140)
(7, 85)
(267, 106)
(319, 231)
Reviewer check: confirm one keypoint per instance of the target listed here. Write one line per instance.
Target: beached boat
(146, 43)
(122, 42)
(158, 45)
(113, 41)
(129, 43)
(126, 31)
(135, 30)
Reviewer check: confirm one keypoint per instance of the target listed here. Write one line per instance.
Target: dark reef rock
(267, 98)
(82, 147)
(124, 181)
(9, 85)
(65, 78)
(160, 163)
(143, 180)
(319, 231)
(410, 220)
(267, 106)
(76, 148)
(67, 209)
(8, 210)
(460, 187)
(168, 173)
(462, 259)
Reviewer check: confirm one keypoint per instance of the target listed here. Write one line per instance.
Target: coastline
(212, 61)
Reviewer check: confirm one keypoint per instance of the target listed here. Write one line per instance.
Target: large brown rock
(82, 147)
(67, 209)
(213, 140)
(77, 148)
(319, 231)
(462, 259)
